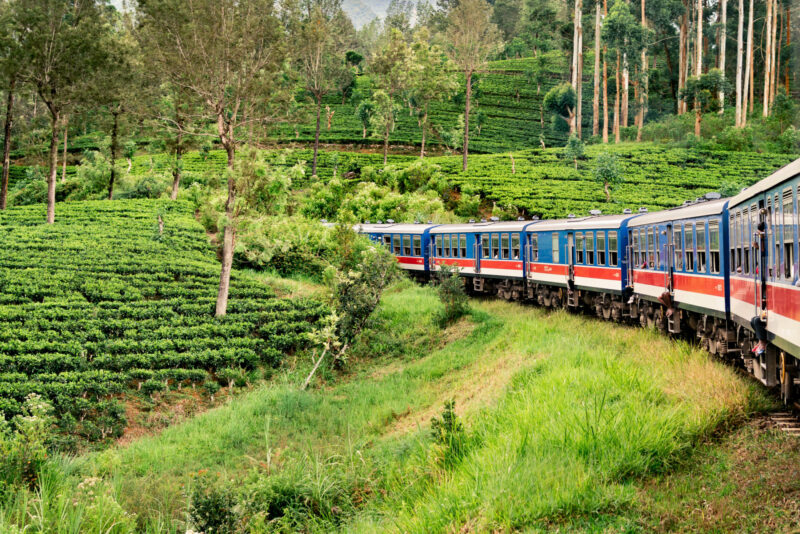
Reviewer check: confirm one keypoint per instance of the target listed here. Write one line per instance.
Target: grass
(566, 418)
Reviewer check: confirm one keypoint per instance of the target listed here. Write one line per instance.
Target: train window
(534, 247)
(504, 245)
(732, 244)
(417, 245)
(387, 241)
(701, 247)
(613, 254)
(454, 244)
(788, 235)
(634, 246)
(688, 237)
(446, 246)
(589, 248)
(495, 246)
(651, 248)
(749, 239)
(406, 245)
(514, 246)
(485, 246)
(462, 244)
(770, 255)
(397, 244)
(741, 243)
(713, 247)
(579, 241)
(601, 248)
(678, 243)
(555, 247)
(643, 248)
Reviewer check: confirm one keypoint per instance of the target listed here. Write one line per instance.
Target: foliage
(608, 171)
(23, 445)
(211, 505)
(449, 434)
(705, 90)
(560, 102)
(575, 149)
(452, 295)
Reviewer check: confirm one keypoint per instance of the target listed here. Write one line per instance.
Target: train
(705, 269)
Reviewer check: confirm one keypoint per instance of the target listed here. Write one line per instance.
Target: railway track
(788, 422)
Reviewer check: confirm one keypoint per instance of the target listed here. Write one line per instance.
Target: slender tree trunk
(698, 66)
(424, 129)
(386, 145)
(643, 93)
(788, 44)
(577, 62)
(466, 122)
(51, 177)
(739, 61)
(579, 91)
(768, 59)
(64, 153)
(723, 39)
(316, 137)
(747, 89)
(176, 172)
(682, 53)
(596, 94)
(773, 84)
(625, 88)
(7, 142)
(616, 103)
(229, 233)
(114, 130)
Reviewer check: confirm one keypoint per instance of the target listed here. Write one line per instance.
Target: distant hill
(362, 12)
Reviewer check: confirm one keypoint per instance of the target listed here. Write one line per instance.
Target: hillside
(103, 304)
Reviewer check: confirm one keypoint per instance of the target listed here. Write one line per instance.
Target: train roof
(488, 226)
(581, 223)
(775, 179)
(699, 209)
(393, 228)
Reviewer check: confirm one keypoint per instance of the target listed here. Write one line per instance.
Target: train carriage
(764, 272)
(410, 243)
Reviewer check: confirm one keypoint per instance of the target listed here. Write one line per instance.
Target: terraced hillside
(505, 95)
(103, 303)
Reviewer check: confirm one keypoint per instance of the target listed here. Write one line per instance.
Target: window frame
(554, 246)
(600, 252)
(714, 250)
(613, 252)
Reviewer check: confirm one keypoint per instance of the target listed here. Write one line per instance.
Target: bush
(449, 435)
(452, 295)
(212, 506)
(23, 448)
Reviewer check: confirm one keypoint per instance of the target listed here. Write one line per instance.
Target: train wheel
(786, 378)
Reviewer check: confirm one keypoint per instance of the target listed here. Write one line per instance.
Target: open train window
(462, 244)
(387, 241)
(579, 240)
(589, 248)
(417, 245)
(742, 243)
(678, 242)
(613, 253)
(713, 247)
(749, 239)
(454, 245)
(397, 244)
(688, 237)
(555, 247)
(446, 245)
(406, 245)
(732, 245)
(504, 246)
(485, 250)
(514, 246)
(534, 238)
(495, 246)
(701, 247)
(788, 235)
(601, 248)
(651, 248)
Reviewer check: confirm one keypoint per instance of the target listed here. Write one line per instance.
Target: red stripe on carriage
(784, 300)
(410, 260)
(704, 285)
(602, 273)
(650, 278)
(501, 264)
(454, 261)
(743, 289)
(548, 268)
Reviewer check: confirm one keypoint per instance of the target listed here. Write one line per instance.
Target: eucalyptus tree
(10, 69)
(64, 44)
(392, 69)
(227, 55)
(472, 38)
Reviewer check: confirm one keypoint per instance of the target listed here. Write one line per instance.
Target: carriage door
(570, 259)
(477, 251)
(668, 259)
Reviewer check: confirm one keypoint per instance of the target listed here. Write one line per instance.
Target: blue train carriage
(578, 262)
(764, 274)
(410, 243)
(680, 271)
(489, 253)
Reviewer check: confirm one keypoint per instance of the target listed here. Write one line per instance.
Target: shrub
(449, 435)
(23, 444)
(212, 505)
(451, 294)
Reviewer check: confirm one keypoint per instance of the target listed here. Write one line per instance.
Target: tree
(608, 171)
(472, 38)
(577, 62)
(537, 75)
(226, 54)
(383, 118)
(596, 92)
(320, 57)
(432, 80)
(560, 102)
(64, 44)
(704, 92)
(364, 112)
(392, 66)
(723, 40)
(574, 149)
(10, 68)
(739, 60)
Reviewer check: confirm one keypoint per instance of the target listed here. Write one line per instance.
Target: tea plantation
(102, 303)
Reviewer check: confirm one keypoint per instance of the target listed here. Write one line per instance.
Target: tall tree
(723, 40)
(768, 58)
(577, 63)
(747, 89)
(10, 69)
(226, 54)
(472, 37)
(739, 61)
(432, 80)
(596, 94)
(392, 66)
(64, 44)
(321, 59)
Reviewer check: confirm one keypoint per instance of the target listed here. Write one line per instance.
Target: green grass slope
(102, 303)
